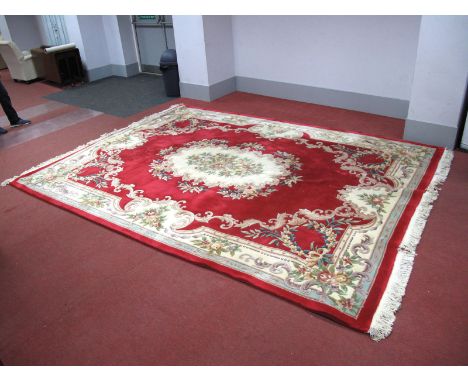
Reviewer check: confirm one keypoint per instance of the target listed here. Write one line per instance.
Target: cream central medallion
(242, 171)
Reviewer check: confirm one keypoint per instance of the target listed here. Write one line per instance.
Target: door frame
(135, 25)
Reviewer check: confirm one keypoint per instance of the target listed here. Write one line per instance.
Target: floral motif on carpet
(326, 219)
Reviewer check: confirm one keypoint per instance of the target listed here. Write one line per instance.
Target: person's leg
(7, 106)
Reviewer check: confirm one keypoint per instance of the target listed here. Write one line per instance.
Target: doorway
(153, 34)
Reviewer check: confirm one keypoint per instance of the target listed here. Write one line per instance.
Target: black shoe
(3, 131)
(21, 122)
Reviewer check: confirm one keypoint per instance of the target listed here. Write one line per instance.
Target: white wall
(372, 55)
(119, 40)
(24, 31)
(126, 39)
(440, 81)
(204, 49)
(94, 41)
(4, 30)
(105, 42)
(190, 46)
(441, 70)
(219, 48)
(74, 34)
(112, 39)
(42, 30)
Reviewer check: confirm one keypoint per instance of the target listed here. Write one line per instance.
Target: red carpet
(105, 300)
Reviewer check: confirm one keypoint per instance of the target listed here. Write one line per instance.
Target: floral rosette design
(243, 171)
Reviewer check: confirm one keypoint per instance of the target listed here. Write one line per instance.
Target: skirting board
(194, 91)
(430, 133)
(438, 135)
(112, 70)
(208, 93)
(389, 107)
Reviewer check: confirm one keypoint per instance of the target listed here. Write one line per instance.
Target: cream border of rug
(384, 316)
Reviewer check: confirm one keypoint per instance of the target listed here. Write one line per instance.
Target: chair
(22, 65)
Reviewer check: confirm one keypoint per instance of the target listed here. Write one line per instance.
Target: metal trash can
(170, 70)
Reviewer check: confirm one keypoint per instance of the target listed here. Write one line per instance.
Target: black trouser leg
(7, 106)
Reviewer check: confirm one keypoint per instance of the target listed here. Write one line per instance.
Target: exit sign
(143, 17)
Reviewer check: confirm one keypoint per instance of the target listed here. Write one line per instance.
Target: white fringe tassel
(384, 316)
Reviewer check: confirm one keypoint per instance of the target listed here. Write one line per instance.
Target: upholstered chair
(20, 64)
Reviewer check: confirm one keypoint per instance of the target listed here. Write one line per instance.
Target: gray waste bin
(170, 70)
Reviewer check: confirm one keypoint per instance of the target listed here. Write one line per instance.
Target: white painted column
(440, 81)
(23, 30)
(74, 34)
(128, 44)
(205, 56)
(105, 43)
(4, 30)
